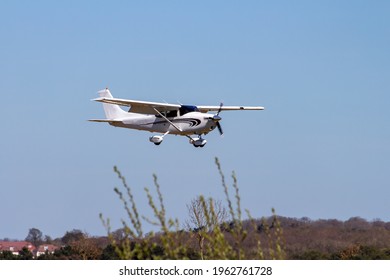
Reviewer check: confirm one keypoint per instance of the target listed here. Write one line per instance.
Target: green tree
(48, 239)
(64, 253)
(109, 253)
(73, 236)
(35, 237)
(7, 255)
(25, 254)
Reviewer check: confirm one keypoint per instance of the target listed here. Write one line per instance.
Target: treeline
(355, 238)
(302, 238)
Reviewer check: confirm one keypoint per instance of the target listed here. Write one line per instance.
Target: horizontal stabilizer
(105, 120)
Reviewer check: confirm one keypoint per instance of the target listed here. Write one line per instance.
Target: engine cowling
(156, 139)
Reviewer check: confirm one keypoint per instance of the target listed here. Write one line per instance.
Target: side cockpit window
(184, 109)
(171, 114)
(168, 114)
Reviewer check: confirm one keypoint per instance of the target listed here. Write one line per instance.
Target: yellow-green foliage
(216, 240)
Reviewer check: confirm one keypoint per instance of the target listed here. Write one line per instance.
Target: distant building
(16, 246)
(42, 249)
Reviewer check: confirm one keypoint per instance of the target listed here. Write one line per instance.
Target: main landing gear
(198, 142)
(157, 139)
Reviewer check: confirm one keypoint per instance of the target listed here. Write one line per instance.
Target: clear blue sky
(321, 149)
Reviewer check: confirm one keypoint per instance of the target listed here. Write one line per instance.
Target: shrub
(217, 239)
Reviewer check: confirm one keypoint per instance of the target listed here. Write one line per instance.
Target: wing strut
(165, 118)
(171, 123)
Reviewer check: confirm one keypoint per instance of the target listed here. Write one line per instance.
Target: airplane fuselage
(191, 123)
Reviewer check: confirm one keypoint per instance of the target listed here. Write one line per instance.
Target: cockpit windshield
(184, 109)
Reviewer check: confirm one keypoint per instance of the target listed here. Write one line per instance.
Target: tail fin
(112, 111)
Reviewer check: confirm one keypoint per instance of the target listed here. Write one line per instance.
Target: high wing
(141, 107)
(146, 107)
(205, 109)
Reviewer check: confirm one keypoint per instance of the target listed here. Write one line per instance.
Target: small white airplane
(164, 118)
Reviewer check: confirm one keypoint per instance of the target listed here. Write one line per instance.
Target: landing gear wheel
(197, 146)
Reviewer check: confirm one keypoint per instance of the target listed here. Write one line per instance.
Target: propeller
(217, 118)
(219, 128)
(220, 108)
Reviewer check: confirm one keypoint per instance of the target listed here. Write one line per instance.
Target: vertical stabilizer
(112, 111)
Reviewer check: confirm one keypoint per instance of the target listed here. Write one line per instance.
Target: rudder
(112, 111)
